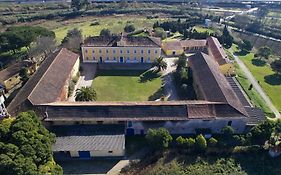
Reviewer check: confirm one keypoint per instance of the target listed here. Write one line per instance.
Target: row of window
(122, 59)
(121, 51)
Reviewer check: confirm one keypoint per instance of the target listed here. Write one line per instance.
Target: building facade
(121, 49)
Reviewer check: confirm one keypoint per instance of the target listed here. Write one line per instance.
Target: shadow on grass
(274, 79)
(258, 62)
(241, 53)
(157, 95)
(149, 76)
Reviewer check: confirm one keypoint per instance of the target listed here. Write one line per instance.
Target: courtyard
(127, 85)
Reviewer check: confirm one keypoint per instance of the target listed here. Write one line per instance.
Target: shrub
(180, 141)
(159, 138)
(190, 142)
(212, 142)
(129, 28)
(201, 143)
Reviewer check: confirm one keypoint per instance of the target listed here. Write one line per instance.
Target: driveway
(86, 78)
(256, 85)
(169, 87)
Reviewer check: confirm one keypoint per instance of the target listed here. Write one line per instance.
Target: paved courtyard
(169, 87)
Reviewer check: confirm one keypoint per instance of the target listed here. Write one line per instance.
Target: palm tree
(160, 64)
(85, 94)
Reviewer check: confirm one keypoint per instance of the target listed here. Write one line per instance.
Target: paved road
(256, 86)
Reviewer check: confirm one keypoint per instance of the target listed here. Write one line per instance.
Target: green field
(126, 85)
(115, 23)
(270, 83)
(201, 29)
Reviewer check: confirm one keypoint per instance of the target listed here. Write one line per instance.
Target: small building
(121, 49)
(10, 77)
(88, 141)
(172, 48)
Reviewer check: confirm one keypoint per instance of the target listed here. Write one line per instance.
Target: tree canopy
(105, 33)
(129, 28)
(85, 94)
(264, 52)
(276, 66)
(14, 38)
(159, 138)
(25, 146)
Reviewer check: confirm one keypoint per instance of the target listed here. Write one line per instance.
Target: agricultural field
(91, 26)
(118, 85)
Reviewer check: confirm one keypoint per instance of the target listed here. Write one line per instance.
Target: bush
(200, 143)
(129, 28)
(159, 138)
(212, 142)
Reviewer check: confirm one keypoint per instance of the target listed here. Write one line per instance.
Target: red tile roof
(216, 50)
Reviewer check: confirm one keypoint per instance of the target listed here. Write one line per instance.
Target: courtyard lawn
(270, 83)
(126, 85)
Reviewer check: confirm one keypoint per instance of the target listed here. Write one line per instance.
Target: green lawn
(201, 29)
(270, 83)
(126, 85)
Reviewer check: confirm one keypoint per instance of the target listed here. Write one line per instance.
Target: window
(93, 51)
(148, 51)
(107, 58)
(128, 51)
(86, 50)
(141, 51)
(94, 58)
(114, 51)
(135, 51)
(110, 151)
(106, 51)
(114, 59)
(100, 51)
(155, 51)
(135, 59)
(121, 51)
(87, 58)
(130, 124)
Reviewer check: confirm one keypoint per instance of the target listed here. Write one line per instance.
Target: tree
(264, 52)
(226, 39)
(201, 143)
(129, 28)
(246, 46)
(123, 4)
(160, 64)
(26, 146)
(105, 33)
(73, 39)
(261, 132)
(24, 74)
(190, 142)
(43, 45)
(181, 62)
(227, 131)
(159, 138)
(85, 94)
(212, 142)
(276, 66)
(79, 4)
(159, 32)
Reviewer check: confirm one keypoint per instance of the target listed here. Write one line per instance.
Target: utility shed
(87, 141)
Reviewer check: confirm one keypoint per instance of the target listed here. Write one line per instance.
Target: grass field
(270, 83)
(126, 85)
(201, 29)
(115, 23)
